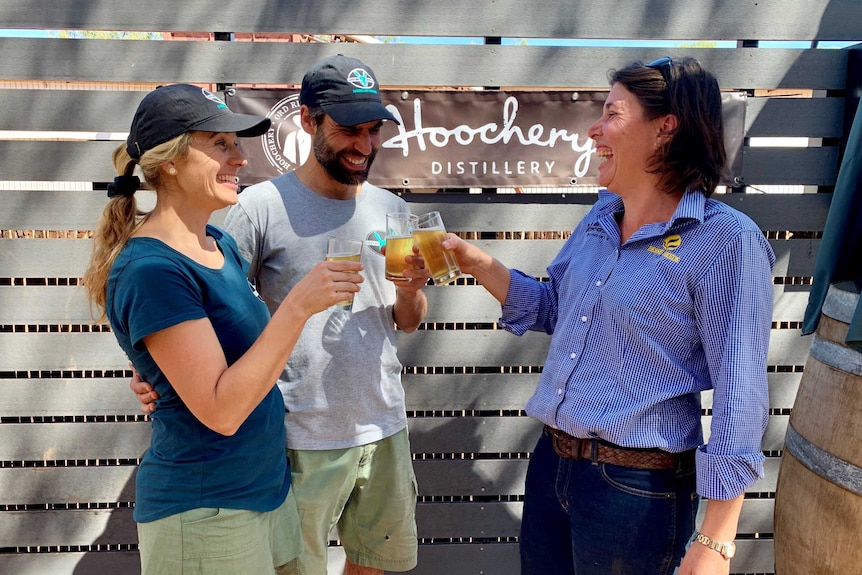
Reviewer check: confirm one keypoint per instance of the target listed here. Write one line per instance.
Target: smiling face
(625, 142)
(208, 174)
(346, 152)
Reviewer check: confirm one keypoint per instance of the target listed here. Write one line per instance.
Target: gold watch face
(729, 550)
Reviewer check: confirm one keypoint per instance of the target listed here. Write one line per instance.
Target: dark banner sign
(462, 139)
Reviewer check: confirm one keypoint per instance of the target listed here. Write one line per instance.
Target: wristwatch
(727, 549)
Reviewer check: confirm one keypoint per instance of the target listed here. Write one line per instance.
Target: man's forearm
(409, 309)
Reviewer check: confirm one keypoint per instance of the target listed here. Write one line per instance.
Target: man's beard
(328, 158)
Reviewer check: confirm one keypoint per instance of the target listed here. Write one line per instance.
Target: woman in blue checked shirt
(659, 294)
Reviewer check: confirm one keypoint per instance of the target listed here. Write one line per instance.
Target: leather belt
(599, 451)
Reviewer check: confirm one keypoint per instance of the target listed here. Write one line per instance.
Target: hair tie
(124, 186)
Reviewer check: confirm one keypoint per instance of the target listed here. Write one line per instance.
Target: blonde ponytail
(121, 217)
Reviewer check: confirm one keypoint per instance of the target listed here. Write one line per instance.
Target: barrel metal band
(834, 355)
(840, 472)
(841, 301)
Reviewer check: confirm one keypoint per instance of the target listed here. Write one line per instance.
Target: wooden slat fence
(71, 433)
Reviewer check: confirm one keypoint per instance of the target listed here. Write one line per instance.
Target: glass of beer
(429, 235)
(399, 244)
(338, 249)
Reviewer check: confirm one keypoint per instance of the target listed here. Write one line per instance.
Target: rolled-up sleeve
(734, 309)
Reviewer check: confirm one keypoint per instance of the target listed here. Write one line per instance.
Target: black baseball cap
(346, 89)
(169, 111)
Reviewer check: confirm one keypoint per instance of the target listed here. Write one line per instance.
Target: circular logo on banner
(286, 144)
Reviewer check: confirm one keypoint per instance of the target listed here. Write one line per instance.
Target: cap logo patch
(361, 79)
(210, 96)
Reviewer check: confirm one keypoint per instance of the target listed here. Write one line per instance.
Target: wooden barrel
(818, 499)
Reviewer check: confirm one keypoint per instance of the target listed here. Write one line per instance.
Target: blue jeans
(583, 518)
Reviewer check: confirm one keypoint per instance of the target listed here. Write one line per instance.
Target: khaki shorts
(215, 541)
(369, 493)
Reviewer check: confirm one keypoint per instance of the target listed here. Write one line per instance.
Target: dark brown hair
(693, 157)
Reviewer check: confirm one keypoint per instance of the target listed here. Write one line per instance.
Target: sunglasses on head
(663, 66)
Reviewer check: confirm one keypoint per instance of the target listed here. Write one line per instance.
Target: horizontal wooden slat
(61, 258)
(506, 476)
(401, 64)
(476, 348)
(72, 563)
(752, 556)
(474, 304)
(73, 441)
(730, 19)
(80, 210)
(472, 348)
(89, 161)
(481, 477)
(73, 161)
(491, 519)
(67, 397)
(109, 485)
(794, 117)
(790, 166)
(67, 485)
(51, 305)
(473, 434)
(500, 519)
(561, 212)
(782, 212)
(433, 392)
(486, 392)
(107, 112)
(115, 483)
(41, 258)
(436, 478)
(58, 305)
(102, 111)
(67, 527)
(794, 257)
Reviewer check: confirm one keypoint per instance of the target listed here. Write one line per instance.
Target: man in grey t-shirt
(345, 414)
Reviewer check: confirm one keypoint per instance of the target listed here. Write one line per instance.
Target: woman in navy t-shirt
(213, 489)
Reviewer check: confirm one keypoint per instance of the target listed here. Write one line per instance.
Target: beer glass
(399, 244)
(429, 235)
(338, 249)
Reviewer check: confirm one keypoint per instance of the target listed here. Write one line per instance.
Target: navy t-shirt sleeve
(153, 294)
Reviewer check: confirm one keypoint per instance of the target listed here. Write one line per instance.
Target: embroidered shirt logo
(595, 229)
(672, 242)
(669, 244)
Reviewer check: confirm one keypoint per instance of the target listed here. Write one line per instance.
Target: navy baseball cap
(346, 89)
(169, 111)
